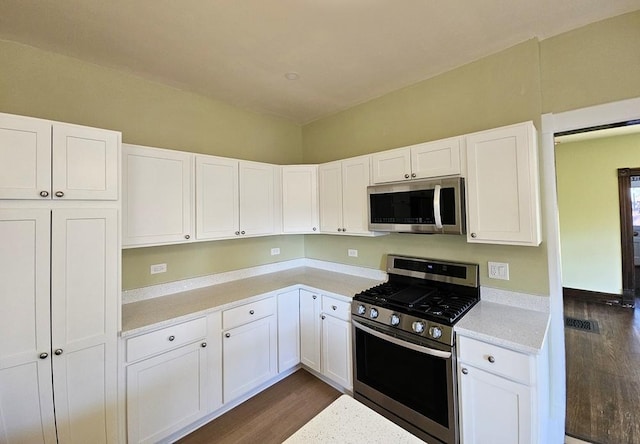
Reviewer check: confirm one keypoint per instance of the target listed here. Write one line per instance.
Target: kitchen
(122, 101)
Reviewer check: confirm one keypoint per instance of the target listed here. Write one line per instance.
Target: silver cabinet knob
(323, 317)
(413, 174)
(58, 352)
(334, 307)
(172, 338)
(44, 193)
(344, 230)
(186, 236)
(237, 233)
(314, 228)
(251, 312)
(406, 176)
(242, 232)
(315, 296)
(203, 345)
(339, 230)
(473, 235)
(59, 194)
(44, 355)
(227, 335)
(491, 359)
(465, 371)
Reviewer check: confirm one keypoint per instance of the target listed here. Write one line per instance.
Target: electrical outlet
(352, 253)
(158, 268)
(275, 251)
(499, 270)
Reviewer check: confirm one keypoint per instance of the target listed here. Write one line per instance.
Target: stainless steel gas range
(404, 346)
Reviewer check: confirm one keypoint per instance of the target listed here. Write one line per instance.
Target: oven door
(407, 379)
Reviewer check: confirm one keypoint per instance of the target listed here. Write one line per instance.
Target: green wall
(589, 215)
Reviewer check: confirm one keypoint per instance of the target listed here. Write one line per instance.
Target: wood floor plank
(603, 374)
(271, 416)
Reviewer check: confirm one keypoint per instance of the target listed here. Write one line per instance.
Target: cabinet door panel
(493, 409)
(85, 162)
(391, 165)
(439, 158)
(166, 393)
(310, 328)
(355, 180)
(249, 357)
(25, 150)
(336, 350)
(330, 191)
(26, 395)
(217, 208)
(288, 330)
(84, 304)
(299, 199)
(156, 200)
(257, 198)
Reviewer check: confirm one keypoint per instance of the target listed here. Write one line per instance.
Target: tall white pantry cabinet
(59, 282)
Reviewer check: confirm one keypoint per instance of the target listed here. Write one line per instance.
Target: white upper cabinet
(259, 197)
(157, 202)
(50, 160)
(503, 200)
(300, 199)
(343, 196)
(424, 160)
(217, 208)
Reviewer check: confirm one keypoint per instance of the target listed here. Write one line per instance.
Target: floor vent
(581, 324)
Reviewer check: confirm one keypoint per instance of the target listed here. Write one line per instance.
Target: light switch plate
(158, 268)
(499, 270)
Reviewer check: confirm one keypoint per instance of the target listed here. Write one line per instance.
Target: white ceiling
(238, 51)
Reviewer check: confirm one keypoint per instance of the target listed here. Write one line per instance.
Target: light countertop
(347, 421)
(143, 315)
(512, 327)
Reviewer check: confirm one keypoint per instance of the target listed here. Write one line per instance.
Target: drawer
(336, 307)
(249, 312)
(495, 359)
(166, 339)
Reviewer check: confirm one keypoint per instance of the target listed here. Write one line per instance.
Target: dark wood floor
(271, 416)
(603, 374)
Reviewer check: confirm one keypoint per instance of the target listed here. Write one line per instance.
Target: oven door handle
(401, 343)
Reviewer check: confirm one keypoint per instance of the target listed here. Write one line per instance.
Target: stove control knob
(418, 326)
(373, 313)
(395, 319)
(435, 332)
(361, 310)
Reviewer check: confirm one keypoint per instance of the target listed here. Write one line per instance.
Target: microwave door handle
(401, 343)
(436, 206)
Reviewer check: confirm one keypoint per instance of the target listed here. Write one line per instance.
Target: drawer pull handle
(251, 312)
(334, 307)
(172, 338)
(203, 345)
(465, 371)
(227, 335)
(491, 359)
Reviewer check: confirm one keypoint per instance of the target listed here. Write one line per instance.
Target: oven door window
(417, 380)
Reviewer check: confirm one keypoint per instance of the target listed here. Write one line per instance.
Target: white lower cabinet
(325, 337)
(288, 330)
(249, 351)
(499, 394)
(175, 379)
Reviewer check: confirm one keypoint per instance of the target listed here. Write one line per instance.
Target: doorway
(629, 202)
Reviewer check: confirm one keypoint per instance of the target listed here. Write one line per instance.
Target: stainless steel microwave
(422, 206)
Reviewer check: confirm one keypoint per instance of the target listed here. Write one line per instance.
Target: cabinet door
(166, 393)
(503, 199)
(433, 159)
(157, 197)
(26, 395)
(310, 325)
(493, 409)
(257, 198)
(355, 180)
(300, 199)
(391, 165)
(85, 163)
(330, 194)
(249, 357)
(217, 205)
(288, 330)
(84, 310)
(25, 150)
(336, 350)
